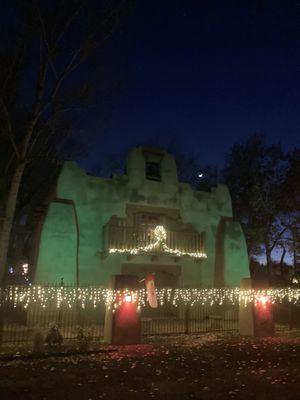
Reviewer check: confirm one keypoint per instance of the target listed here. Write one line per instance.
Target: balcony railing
(130, 238)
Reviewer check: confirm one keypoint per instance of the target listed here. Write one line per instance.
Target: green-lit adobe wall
(85, 204)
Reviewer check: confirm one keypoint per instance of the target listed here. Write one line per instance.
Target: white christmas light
(24, 269)
(70, 296)
(160, 236)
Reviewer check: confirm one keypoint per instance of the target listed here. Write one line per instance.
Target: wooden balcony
(131, 240)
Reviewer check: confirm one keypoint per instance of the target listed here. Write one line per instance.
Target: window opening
(153, 171)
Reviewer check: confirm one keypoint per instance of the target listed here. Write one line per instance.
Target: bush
(54, 337)
(83, 339)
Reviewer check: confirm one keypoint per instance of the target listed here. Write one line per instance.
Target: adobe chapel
(142, 222)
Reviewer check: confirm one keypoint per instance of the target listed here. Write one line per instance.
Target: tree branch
(35, 112)
(46, 43)
(71, 65)
(9, 127)
(278, 237)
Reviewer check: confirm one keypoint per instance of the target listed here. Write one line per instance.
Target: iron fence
(185, 319)
(21, 324)
(287, 316)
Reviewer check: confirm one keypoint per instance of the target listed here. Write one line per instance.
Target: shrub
(83, 339)
(54, 337)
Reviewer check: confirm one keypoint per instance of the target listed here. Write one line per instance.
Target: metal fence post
(2, 303)
(187, 319)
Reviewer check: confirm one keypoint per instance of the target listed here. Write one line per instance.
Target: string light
(160, 236)
(24, 268)
(94, 296)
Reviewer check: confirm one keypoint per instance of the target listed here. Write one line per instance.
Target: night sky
(203, 75)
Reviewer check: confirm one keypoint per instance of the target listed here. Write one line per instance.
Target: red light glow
(262, 300)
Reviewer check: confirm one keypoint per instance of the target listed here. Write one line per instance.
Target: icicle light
(71, 296)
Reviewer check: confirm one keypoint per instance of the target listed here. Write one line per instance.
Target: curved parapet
(57, 252)
(168, 170)
(236, 262)
(223, 200)
(135, 167)
(72, 182)
(231, 263)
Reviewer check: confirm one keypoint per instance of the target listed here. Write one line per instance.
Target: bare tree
(255, 173)
(291, 193)
(40, 82)
(265, 189)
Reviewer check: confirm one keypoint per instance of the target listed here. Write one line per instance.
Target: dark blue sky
(206, 73)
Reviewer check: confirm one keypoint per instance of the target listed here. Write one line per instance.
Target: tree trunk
(282, 260)
(269, 262)
(294, 249)
(11, 202)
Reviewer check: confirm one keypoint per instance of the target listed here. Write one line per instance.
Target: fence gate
(168, 319)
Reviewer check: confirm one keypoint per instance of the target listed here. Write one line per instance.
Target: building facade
(142, 222)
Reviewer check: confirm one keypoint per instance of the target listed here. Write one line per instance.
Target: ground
(185, 367)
